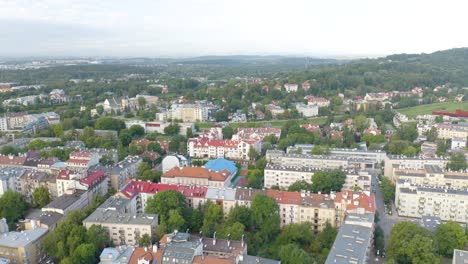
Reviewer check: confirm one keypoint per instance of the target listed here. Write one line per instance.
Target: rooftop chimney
(155, 248)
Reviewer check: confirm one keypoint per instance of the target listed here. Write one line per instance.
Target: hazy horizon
(178, 28)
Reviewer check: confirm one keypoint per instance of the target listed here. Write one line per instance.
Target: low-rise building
(458, 143)
(173, 161)
(231, 149)
(77, 200)
(257, 133)
(433, 175)
(460, 256)
(449, 131)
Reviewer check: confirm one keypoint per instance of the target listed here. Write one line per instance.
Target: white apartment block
(434, 176)
(458, 143)
(449, 131)
(411, 163)
(318, 161)
(420, 200)
(284, 176)
(308, 110)
(357, 179)
(230, 149)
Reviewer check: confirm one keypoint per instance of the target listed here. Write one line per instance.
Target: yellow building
(23, 247)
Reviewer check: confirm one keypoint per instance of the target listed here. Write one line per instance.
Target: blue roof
(220, 164)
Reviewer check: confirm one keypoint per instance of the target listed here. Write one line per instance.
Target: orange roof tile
(197, 172)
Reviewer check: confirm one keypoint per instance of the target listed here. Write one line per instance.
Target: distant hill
(256, 60)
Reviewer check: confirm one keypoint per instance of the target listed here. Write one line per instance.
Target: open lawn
(412, 112)
(272, 123)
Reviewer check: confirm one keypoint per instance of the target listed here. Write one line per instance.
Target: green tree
(293, 254)
(84, 254)
(58, 130)
(240, 214)
(326, 181)
(106, 160)
(397, 146)
(234, 231)
(145, 241)
(457, 162)
(432, 134)
(165, 201)
(172, 129)
(299, 186)
(125, 138)
(40, 197)
(12, 207)
(37, 144)
(109, 123)
(388, 190)
(213, 217)
(410, 243)
(156, 147)
(137, 131)
(410, 151)
(134, 149)
(98, 236)
(255, 178)
(253, 154)
(265, 212)
(228, 131)
(175, 220)
(449, 236)
(360, 122)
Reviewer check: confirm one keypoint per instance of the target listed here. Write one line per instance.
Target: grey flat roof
(216, 193)
(110, 216)
(66, 200)
(21, 239)
(46, 218)
(460, 256)
(351, 244)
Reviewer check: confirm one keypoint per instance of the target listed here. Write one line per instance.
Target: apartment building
(123, 226)
(197, 112)
(449, 131)
(197, 176)
(125, 169)
(433, 175)
(225, 197)
(74, 200)
(357, 180)
(411, 163)
(418, 200)
(284, 176)
(307, 110)
(354, 240)
(318, 161)
(173, 161)
(258, 133)
(23, 247)
(318, 210)
(82, 160)
(214, 148)
(8, 178)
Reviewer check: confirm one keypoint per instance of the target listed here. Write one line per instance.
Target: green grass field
(412, 112)
(273, 123)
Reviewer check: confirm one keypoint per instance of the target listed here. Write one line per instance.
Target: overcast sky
(225, 27)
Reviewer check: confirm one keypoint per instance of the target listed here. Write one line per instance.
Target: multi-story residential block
(434, 176)
(354, 240)
(308, 110)
(318, 209)
(319, 101)
(197, 176)
(460, 256)
(125, 169)
(412, 163)
(198, 112)
(58, 96)
(23, 247)
(357, 180)
(123, 227)
(9, 177)
(418, 200)
(82, 160)
(449, 131)
(275, 110)
(458, 143)
(318, 161)
(284, 176)
(231, 149)
(32, 179)
(258, 133)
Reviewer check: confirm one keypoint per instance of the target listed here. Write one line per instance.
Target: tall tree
(40, 196)
(449, 236)
(410, 243)
(12, 207)
(165, 201)
(457, 162)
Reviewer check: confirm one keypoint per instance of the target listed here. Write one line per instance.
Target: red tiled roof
(82, 161)
(12, 160)
(197, 172)
(82, 154)
(64, 175)
(135, 187)
(93, 178)
(356, 200)
(284, 197)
